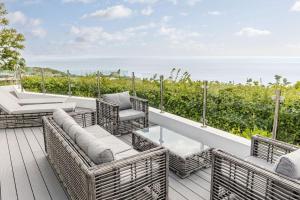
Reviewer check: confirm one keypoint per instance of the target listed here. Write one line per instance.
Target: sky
(163, 28)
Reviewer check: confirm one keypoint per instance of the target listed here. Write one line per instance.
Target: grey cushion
(97, 131)
(33, 101)
(130, 114)
(289, 165)
(260, 162)
(74, 130)
(68, 123)
(115, 144)
(99, 153)
(8, 102)
(126, 154)
(121, 99)
(84, 139)
(38, 108)
(59, 116)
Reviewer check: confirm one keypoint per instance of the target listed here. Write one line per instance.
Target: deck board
(25, 172)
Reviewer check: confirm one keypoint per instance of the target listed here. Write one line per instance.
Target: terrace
(25, 172)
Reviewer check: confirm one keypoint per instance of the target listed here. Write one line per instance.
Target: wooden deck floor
(25, 173)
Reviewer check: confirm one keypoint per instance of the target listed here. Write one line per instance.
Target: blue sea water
(223, 69)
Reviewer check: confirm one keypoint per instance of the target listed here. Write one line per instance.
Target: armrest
(269, 149)
(85, 119)
(137, 176)
(139, 104)
(233, 175)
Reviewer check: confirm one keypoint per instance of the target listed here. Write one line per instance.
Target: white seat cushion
(289, 165)
(44, 108)
(126, 154)
(97, 131)
(115, 144)
(130, 114)
(260, 162)
(121, 99)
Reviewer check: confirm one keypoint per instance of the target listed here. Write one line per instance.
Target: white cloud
(17, 18)
(166, 19)
(184, 14)
(142, 1)
(78, 1)
(141, 27)
(147, 11)
(252, 32)
(39, 32)
(296, 6)
(214, 12)
(192, 2)
(114, 12)
(95, 35)
(178, 36)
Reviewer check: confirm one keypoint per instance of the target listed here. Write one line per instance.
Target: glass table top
(173, 141)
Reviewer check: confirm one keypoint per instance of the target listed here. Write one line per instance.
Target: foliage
(243, 109)
(10, 43)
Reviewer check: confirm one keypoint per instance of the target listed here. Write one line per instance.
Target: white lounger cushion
(289, 165)
(44, 108)
(41, 101)
(8, 102)
(121, 99)
(130, 114)
(97, 131)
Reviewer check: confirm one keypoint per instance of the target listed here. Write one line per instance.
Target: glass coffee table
(186, 155)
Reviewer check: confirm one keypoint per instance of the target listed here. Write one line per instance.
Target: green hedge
(240, 109)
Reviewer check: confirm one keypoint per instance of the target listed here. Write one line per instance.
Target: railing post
(69, 83)
(43, 80)
(98, 84)
(205, 87)
(161, 93)
(133, 84)
(278, 99)
(21, 83)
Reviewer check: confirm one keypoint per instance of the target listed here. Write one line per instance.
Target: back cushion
(93, 148)
(59, 116)
(68, 123)
(289, 165)
(121, 99)
(8, 102)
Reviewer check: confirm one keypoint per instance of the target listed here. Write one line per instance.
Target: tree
(11, 42)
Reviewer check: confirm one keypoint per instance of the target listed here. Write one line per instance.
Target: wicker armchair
(235, 178)
(142, 176)
(108, 116)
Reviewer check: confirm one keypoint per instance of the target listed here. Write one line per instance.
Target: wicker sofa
(255, 177)
(14, 115)
(131, 175)
(120, 113)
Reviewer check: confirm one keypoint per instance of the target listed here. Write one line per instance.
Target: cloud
(192, 2)
(39, 32)
(142, 1)
(147, 11)
(214, 13)
(78, 1)
(178, 36)
(252, 32)
(114, 12)
(166, 19)
(296, 6)
(29, 25)
(141, 27)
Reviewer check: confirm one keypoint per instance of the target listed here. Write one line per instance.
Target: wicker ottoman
(186, 155)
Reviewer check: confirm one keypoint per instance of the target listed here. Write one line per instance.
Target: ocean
(223, 69)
